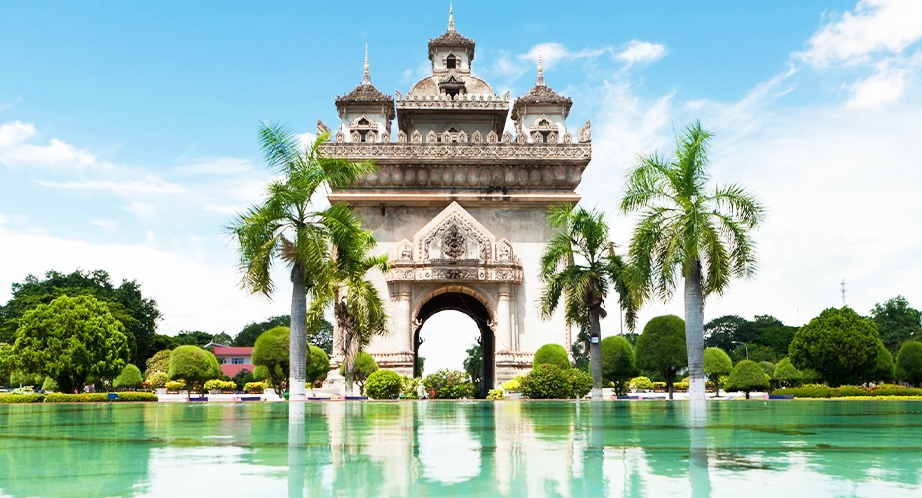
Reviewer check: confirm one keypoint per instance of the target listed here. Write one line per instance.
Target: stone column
(504, 320)
(402, 326)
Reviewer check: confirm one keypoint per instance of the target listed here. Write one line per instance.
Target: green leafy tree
(272, 351)
(618, 364)
(195, 366)
(383, 384)
(363, 366)
(71, 340)
(287, 226)
(661, 348)
(248, 335)
(243, 377)
(473, 364)
(884, 370)
(580, 267)
(137, 314)
(786, 374)
(909, 363)
(8, 361)
(839, 344)
(159, 362)
(897, 322)
(717, 364)
(318, 367)
(129, 378)
(551, 354)
(193, 338)
(687, 230)
(747, 376)
(767, 367)
(49, 385)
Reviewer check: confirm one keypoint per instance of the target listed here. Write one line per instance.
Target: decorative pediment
(417, 137)
(454, 235)
(401, 137)
(477, 137)
(431, 137)
(403, 251)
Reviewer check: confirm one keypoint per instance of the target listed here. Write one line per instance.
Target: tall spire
(451, 17)
(540, 80)
(366, 78)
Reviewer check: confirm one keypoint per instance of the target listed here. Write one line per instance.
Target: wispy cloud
(15, 149)
(641, 51)
(105, 224)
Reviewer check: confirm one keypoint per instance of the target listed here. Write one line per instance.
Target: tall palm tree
(357, 306)
(287, 226)
(580, 266)
(690, 230)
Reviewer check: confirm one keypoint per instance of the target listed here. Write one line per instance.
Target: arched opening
(451, 62)
(478, 312)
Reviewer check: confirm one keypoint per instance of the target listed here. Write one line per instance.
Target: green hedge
(383, 384)
(818, 391)
(21, 398)
(97, 397)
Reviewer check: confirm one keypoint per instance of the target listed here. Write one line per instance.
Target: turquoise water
(655, 449)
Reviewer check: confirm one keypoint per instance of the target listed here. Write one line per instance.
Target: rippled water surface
(656, 449)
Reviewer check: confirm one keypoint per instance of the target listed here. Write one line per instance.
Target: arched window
(451, 62)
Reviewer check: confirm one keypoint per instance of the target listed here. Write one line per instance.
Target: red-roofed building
(234, 359)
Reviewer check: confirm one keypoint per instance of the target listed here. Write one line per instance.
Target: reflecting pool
(655, 449)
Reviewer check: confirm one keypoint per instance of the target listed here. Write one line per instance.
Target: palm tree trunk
(694, 332)
(595, 352)
(297, 342)
(349, 361)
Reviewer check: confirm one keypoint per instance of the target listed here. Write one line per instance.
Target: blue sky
(128, 131)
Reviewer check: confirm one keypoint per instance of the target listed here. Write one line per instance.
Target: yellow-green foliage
(514, 384)
(552, 354)
(641, 383)
(21, 398)
(175, 385)
(254, 387)
(495, 394)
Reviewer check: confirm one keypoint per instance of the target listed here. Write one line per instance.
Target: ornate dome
(452, 38)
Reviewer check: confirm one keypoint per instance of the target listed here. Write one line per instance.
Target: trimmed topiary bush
(618, 362)
(363, 366)
(661, 347)
(271, 352)
(514, 384)
(175, 385)
(449, 384)
(383, 384)
(785, 373)
(717, 364)
(641, 383)
(158, 380)
(129, 378)
(318, 366)
(747, 376)
(547, 381)
(194, 365)
(909, 363)
(22, 398)
(254, 387)
(552, 354)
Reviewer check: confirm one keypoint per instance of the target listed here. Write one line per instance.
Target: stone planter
(226, 392)
(184, 392)
(160, 390)
(214, 391)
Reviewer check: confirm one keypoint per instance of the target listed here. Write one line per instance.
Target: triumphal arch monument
(459, 203)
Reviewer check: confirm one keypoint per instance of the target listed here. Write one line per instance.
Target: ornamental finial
(366, 78)
(451, 18)
(540, 80)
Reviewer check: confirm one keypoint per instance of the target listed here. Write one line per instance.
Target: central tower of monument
(459, 203)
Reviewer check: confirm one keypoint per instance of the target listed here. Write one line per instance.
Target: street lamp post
(744, 345)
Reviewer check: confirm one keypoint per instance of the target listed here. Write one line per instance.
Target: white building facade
(459, 204)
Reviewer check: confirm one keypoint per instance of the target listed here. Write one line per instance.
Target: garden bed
(77, 398)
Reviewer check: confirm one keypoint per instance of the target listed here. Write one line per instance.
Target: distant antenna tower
(843, 291)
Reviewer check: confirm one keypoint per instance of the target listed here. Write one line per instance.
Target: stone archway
(475, 307)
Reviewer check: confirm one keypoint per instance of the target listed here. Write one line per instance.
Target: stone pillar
(504, 320)
(403, 328)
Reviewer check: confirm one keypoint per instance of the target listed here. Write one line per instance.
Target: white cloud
(875, 26)
(15, 149)
(552, 53)
(106, 224)
(148, 185)
(216, 166)
(641, 51)
(193, 293)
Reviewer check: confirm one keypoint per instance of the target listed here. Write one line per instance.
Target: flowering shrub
(408, 386)
(254, 387)
(175, 385)
(449, 384)
(220, 385)
(495, 394)
(383, 384)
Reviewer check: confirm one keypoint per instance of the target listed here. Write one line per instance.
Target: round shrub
(383, 384)
(158, 380)
(661, 347)
(909, 363)
(271, 351)
(548, 381)
(363, 366)
(617, 362)
(130, 377)
(552, 354)
(514, 384)
(641, 383)
(194, 365)
(449, 384)
(786, 374)
(839, 344)
(175, 385)
(769, 368)
(747, 376)
(254, 387)
(318, 365)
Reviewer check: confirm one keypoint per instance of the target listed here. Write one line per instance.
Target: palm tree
(686, 226)
(579, 265)
(357, 306)
(287, 226)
